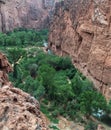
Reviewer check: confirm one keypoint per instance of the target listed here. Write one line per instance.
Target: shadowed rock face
(24, 13)
(82, 30)
(5, 68)
(18, 110)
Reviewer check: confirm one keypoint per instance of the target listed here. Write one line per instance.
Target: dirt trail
(64, 124)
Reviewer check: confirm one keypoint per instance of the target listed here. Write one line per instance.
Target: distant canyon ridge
(33, 14)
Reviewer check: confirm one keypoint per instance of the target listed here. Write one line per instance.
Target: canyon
(81, 29)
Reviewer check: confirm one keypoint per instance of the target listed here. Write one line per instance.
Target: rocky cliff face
(82, 30)
(18, 110)
(24, 13)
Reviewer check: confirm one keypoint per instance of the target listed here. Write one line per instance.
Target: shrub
(91, 126)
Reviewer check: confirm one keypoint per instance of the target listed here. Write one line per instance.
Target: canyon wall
(18, 110)
(82, 30)
(25, 13)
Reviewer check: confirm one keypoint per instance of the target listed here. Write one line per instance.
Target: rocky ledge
(18, 110)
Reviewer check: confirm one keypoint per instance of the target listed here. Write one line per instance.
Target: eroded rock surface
(82, 29)
(18, 110)
(25, 13)
(5, 68)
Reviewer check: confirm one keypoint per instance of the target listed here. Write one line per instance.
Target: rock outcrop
(25, 14)
(5, 68)
(18, 110)
(82, 30)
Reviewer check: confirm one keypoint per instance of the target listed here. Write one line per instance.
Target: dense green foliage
(53, 80)
(56, 79)
(23, 37)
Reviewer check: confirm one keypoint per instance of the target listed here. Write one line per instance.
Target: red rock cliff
(18, 110)
(25, 13)
(82, 30)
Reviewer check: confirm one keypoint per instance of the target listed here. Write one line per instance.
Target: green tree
(77, 84)
(33, 86)
(2, 38)
(46, 72)
(15, 56)
(80, 84)
(91, 102)
(33, 70)
(61, 90)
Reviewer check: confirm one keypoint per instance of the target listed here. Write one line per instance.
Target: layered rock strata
(18, 110)
(82, 30)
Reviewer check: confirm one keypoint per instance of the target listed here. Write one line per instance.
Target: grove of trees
(53, 80)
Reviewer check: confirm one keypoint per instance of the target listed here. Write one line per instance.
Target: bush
(91, 126)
